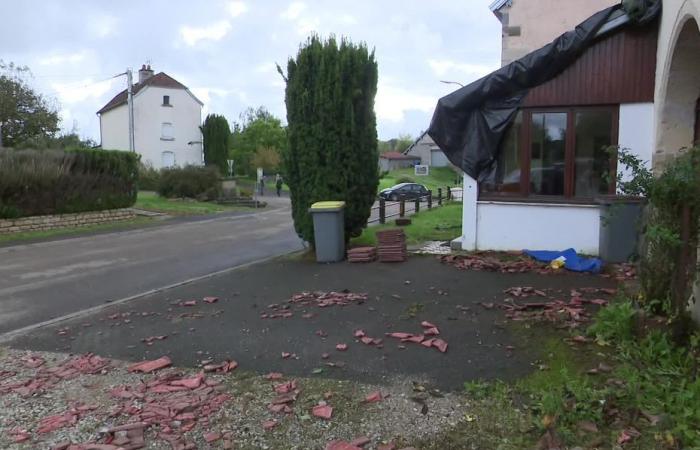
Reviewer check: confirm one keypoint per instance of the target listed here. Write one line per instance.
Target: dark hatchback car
(403, 191)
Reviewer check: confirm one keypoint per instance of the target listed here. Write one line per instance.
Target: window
(550, 154)
(547, 158)
(166, 132)
(167, 159)
(505, 177)
(166, 100)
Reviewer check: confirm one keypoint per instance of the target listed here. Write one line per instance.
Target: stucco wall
(636, 132)
(149, 115)
(677, 86)
(541, 21)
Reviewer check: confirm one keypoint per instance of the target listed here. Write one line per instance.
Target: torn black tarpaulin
(470, 123)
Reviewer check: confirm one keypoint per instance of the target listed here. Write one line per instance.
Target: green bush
(197, 182)
(34, 182)
(149, 177)
(405, 180)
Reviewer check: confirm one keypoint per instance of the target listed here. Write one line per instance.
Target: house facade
(427, 150)
(542, 192)
(167, 117)
(531, 24)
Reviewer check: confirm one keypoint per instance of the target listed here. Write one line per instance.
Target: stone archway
(677, 107)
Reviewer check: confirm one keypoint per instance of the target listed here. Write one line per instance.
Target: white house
(167, 117)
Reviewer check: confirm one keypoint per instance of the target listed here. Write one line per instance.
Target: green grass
(150, 201)
(437, 224)
(72, 231)
(440, 177)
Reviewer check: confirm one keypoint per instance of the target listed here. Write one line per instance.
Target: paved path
(45, 280)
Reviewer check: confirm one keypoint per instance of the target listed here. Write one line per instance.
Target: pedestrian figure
(278, 184)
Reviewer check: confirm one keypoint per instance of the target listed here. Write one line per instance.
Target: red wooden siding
(618, 69)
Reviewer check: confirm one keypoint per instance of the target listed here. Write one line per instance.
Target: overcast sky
(225, 51)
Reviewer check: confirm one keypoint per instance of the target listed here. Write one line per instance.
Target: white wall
(185, 114)
(114, 129)
(636, 132)
(534, 226)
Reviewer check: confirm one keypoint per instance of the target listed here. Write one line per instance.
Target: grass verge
(437, 224)
(150, 201)
(72, 231)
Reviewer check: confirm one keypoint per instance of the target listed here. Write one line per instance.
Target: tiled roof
(160, 79)
(397, 155)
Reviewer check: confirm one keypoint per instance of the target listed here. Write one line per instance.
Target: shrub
(405, 180)
(197, 182)
(149, 177)
(36, 182)
(217, 136)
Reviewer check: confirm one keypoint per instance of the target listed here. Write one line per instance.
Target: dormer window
(166, 100)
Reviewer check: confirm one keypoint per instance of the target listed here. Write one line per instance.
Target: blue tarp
(573, 261)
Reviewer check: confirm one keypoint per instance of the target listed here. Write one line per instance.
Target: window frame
(163, 137)
(525, 157)
(167, 104)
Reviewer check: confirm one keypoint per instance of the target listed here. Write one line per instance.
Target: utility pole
(130, 105)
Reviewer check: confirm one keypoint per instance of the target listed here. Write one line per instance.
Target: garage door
(438, 159)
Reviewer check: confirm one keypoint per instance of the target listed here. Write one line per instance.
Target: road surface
(41, 281)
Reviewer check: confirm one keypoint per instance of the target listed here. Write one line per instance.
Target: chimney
(145, 72)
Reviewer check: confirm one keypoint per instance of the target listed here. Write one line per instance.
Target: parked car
(403, 191)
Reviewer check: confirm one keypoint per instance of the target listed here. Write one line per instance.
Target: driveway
(42, 281)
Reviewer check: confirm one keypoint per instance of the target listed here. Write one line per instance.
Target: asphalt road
(45, 280)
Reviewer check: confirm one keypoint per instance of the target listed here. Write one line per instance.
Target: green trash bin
(329, 230)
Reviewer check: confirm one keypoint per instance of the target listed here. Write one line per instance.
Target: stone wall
(50, 222)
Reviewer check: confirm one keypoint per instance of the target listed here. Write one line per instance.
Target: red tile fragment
(431, 331)
(189, 303)
(374, 397)
(359, 333)
(210, 299)
(426, 324)
(440, 345)
(284, 388)
(269, 424)
(32, 361)
(428, 343)
(286, 355)
(399, 335)
(151, 366)
(212, 437)
(323, 411)
(341, 445)
(416, 339)
(325, 355)
(341, 347)
(189, 383)
(273, 376)
(367, 340)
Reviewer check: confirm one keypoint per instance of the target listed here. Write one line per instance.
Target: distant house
(395, 160)
(429, 153)
(167, 117)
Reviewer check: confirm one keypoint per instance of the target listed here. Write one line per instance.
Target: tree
(217, 137)
(332, 130)
(399, 144)
(258, 129)
(24, 114)
(267, 158)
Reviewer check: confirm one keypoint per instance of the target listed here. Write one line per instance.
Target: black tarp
(469, 124)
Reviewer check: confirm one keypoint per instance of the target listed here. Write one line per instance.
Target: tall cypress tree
(216, 135)
(332, 130)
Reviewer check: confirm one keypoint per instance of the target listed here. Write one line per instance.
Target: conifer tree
(332, 130)
(216, 135)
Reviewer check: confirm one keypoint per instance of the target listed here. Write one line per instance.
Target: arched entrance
(677, 127)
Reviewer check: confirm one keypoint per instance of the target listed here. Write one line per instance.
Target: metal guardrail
(430, 200)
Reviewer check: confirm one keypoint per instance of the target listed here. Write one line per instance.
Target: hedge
(38, 182)
(197, 182)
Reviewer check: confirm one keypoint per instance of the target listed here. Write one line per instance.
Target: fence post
(439, 196)
(449, 193)
(417, 208)
(430, 199)
(382, 210)
(402, 208)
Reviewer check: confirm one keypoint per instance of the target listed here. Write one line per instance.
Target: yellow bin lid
(328, 206)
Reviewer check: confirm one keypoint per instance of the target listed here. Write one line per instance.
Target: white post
(468, 240)
(130, 104)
